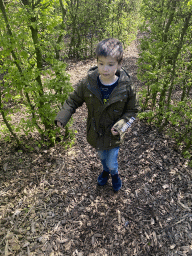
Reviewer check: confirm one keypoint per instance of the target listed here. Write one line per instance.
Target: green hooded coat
(121, 106)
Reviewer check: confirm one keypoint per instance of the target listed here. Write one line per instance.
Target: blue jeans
(109, 160)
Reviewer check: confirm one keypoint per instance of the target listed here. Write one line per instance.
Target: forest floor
(50, 203)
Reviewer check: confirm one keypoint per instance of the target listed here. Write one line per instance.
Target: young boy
(111, 101)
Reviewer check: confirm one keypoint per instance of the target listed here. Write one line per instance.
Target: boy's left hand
(114, 132)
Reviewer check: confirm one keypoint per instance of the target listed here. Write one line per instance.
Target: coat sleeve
(130, 112)
(75, 100)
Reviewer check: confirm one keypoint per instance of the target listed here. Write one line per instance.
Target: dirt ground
(50, 203)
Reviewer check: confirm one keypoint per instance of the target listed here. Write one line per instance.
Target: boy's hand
(114, 132)
(59, 124)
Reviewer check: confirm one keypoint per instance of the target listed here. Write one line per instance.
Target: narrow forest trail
(51, 204)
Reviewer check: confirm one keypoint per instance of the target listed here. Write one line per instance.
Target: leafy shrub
(165, 67)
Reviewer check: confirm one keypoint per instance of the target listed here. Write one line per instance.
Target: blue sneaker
(116, 182)
(103, 178)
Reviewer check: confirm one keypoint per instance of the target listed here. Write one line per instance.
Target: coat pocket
(118, 109)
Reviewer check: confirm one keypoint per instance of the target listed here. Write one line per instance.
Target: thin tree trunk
(178, 49)
(7, 123)
(9, 32)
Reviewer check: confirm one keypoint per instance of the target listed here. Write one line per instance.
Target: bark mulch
(50, 203)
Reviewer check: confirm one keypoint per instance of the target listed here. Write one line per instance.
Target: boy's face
(107, 67)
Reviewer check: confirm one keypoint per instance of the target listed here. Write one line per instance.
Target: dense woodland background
(37, 37)
(45, 47)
